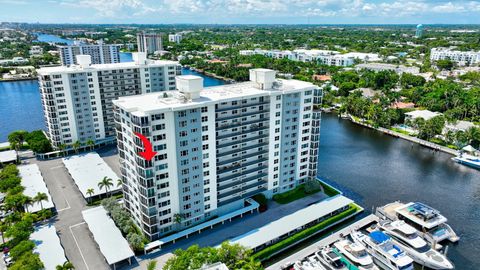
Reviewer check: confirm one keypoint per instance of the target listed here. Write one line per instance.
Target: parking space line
(76, 243)
(56, 167)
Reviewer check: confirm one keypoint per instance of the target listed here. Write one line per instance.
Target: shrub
(22, 247)
(312, 186)
(260, 199)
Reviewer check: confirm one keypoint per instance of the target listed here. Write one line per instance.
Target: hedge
(267, 252)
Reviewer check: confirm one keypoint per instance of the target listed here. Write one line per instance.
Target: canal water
(375, 169)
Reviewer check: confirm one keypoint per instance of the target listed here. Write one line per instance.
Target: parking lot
(79, 246)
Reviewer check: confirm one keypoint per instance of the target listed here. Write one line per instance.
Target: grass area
(293, 195)
(399, 130)
(269, 251)
(329, 190)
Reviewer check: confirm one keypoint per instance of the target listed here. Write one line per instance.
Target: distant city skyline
(242, 11)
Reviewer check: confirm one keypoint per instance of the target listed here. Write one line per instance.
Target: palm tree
(119, 182)
(91, 143)
(76, 145)
(105, 183)
(65, 266)
(90, 193)
(40, 197)
(152, 265)
(62, 148)
(28, 202)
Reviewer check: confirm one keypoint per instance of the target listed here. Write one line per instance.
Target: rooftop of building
(94, 67)
(425, 114)
(175, 100)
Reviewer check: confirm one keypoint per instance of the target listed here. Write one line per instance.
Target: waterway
(374, 169)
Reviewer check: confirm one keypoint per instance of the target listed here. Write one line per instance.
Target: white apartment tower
(175, 38)
(99, 53)
(149, 42)
(215, 147)
(463, 58)
(77, 99)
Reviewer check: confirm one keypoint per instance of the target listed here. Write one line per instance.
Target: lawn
(293, 195)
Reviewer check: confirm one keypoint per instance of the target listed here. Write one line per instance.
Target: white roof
(289, 223)
(89, 169)
(95, 67)
(32, 181)
(460, 125)
(8, 156)
(108, 237)
(431, 223)
(48, 247)
(425, 114)
(157, 102)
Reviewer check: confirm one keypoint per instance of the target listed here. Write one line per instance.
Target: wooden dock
(322, 242)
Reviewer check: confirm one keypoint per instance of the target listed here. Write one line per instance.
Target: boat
(468, 160)
(385, 253)
(355, 253)
(308, 264)
(416, 247)
(330, 259)
(432, 225)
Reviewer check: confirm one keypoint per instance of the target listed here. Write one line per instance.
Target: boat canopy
(469, 149)
(379, 237)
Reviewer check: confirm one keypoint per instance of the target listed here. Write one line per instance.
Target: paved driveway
(79, 246)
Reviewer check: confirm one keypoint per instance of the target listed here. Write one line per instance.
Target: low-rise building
(36, 50)
(400, 69)
(424, 114)
(458, 126)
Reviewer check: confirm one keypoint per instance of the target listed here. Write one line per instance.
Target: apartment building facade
(215, 147)
(460, 57)
(77, 99)
(100, 53)
(176, 38)
(149, 42)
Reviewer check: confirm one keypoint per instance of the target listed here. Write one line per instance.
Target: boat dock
(323, 242)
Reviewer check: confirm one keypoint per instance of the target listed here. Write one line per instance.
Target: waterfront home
(402, 105)
(424, 114)
(367, 92)
(458, 126)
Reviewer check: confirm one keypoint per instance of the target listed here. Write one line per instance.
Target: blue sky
(242, 11)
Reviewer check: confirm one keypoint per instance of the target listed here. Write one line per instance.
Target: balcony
(240, 196)
(240, 165)
(242, 132)
(242, 115)
(242, 140)
(222, 186)
(240, 157)
(244, 148)
(239, 124)
(241, 106)
(226, 178)
(239, 189)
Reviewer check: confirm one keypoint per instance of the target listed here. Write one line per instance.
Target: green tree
(15, 202)
(62, 148)
(65, 266)
(90, 143)
(119, 182)
(445, 64)
(28, 261)
(76, 145)
(152, 265)
(40, 197)
(21, 248)
(106, 183)
(90, 193)
(17, 138)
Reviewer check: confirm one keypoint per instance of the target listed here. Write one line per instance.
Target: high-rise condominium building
(149, 42)
(215, 147)
(77, 99)
(175, 38)
(100, 53)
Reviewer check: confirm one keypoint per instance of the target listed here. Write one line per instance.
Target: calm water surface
(375, 169)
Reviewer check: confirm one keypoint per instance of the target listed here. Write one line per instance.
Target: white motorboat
(356, 254)
(468, 160)
(408, 239)
(385, 253)
(330, 259)
(308, 264)
(432, 225)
